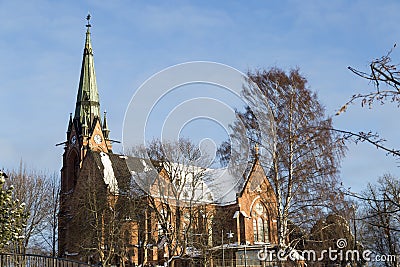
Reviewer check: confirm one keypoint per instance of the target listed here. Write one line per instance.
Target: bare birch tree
(297, 149)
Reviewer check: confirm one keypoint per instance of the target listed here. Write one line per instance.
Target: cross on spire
(88, 21)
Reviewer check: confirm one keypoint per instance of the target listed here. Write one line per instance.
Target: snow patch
(109, 177)
(147, 168)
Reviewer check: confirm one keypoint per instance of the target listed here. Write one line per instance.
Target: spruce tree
(12, 216)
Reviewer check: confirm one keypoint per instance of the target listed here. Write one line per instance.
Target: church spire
(87, 102)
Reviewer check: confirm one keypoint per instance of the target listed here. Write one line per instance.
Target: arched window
(260, 223)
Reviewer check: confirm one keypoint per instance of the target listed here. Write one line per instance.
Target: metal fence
(29, 260)
(242, 263)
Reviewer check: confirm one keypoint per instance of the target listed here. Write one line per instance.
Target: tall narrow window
(260, 225)
(266, 231)
(255, 232)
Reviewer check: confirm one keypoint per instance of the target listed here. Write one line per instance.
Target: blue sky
(41, 46)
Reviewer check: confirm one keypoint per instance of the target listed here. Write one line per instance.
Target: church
(105, 216)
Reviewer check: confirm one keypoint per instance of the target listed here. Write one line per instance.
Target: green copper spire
(87, 102)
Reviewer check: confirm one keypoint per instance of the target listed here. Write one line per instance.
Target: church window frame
(260, 223)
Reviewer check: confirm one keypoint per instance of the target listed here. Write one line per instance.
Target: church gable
(257, 183)
(97, 142)
(257, 208)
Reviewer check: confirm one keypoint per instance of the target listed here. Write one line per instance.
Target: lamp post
(230, 236)
(223, 252)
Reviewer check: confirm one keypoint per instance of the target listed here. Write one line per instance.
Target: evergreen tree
(12, 216)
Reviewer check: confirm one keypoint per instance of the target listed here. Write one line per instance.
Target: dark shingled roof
(126, 182)
(135, 176)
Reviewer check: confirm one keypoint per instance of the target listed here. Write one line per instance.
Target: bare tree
(380, 202)
(45, 241)
(382, 72)
(385, 77)
(92, 199)
(106, 215)
(326, 233)
(298, 151)
(177, 193)
(34, 189)
(381, 217)
(52, 219)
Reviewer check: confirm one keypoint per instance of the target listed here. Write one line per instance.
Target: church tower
(86, 131)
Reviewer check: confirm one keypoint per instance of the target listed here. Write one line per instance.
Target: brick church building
(105, 216)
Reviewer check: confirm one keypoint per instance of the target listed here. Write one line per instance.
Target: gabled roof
(253, 182)
(225, 186)
(248, 176)
(133, 175)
